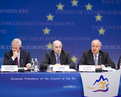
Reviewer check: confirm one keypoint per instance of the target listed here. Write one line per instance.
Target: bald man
(57, 57)
(89, 56)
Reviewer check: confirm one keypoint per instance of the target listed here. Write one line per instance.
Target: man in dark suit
(17, 56)
(96, 57)
(119, 63)
(57, 57)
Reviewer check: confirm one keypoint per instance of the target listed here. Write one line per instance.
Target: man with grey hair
(96, 57)
(17, 56)
(57, 57)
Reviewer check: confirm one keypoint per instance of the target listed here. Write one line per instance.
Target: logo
(100, 85)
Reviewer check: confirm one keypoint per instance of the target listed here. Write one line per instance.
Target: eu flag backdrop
(74, 22)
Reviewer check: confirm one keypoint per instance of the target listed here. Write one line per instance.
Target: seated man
(96, 57)
(17, 56)
(119, 63)
(57, 57)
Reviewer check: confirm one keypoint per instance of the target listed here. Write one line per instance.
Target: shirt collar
(56, 54)
(96, 55)
(19, 53)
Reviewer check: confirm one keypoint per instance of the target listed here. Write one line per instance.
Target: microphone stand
(99, 69)
(22, 69)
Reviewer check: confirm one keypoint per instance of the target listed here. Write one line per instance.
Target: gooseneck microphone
(100, 60)
(21, 69)
(99, 69)
(119, 67)
(22, 63)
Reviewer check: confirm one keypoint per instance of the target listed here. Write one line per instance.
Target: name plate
(10, 68)
(86, 68)
(61, 68)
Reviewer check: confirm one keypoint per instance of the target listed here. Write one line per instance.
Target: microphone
(119, 67)
(100, 60)
(99, 69)
(21, 69)
(22, 63)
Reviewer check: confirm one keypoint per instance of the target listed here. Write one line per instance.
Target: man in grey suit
(96, 57)
(57, 56)
(17, 56)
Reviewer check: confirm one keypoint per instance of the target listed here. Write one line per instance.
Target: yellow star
(50, 17)
(60, 7)
(49, 46)
(98, 17)
(46, 31)
(101, 31)
(74, 59)
(89, 7)
(74, 2)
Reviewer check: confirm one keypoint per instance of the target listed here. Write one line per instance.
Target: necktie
(58, 59)
(96, 60)
(16, 60)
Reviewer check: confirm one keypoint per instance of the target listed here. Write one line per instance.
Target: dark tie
(58, 59)
(16, 60)
(96, 60)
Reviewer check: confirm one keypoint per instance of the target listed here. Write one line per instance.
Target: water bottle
(50, 68)
(36, 65)
(32, 65)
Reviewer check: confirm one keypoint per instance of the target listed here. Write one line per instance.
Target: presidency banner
(41, 85)
(106, 84)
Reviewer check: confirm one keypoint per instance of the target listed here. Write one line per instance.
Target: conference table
(66, 84)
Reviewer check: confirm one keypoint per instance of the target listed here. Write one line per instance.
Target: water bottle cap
(35, 59)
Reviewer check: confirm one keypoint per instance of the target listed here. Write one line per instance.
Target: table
(105, 84)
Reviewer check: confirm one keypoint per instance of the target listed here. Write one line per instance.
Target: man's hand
(57, 64)
(15, 54)
(28, 66)
(99, 66)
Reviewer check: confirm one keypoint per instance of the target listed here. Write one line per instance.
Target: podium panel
(41, 85)
(105, 84)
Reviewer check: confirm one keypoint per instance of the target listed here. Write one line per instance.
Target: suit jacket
(88, 59)
(50, 59)
(24, 55)
(119, 61)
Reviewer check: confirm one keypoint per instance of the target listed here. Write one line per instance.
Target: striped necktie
(58, 59)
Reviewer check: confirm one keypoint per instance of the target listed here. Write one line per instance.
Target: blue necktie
(96, 60)
(58, 59)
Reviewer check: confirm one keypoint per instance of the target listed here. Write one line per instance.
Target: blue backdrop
(74, 22)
